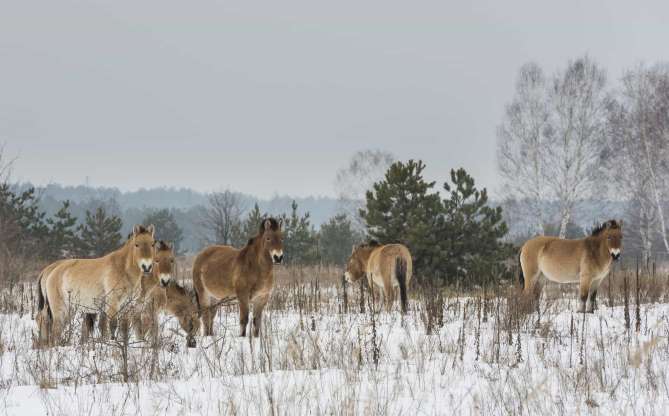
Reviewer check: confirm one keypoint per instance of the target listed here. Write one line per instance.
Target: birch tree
(356, 178)
(639, 148)
(575, 135)
(521, 146)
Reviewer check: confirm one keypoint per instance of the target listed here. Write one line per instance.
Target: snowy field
(469, 353)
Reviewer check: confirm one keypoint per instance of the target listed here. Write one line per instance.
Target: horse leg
(208, 314)
(87, 327)
(43, 320)
(243, 314)
(58, 315)
(592, 294)
(103, 325)
(584, 291)
(388, 296)
(531, 278)
(111, 319)
(258, 307)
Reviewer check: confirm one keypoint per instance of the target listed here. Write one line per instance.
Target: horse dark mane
(613, 224)
(142, 230)
(370, 243)
(274, 225)
(162, 246)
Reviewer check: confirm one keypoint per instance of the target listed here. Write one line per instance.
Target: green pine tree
(166, 227)
(63, 240)
(299, 238)
(403, 208)
(336, 237)
(100, 233)
(252, 223)
(471, 232)
(22, 223)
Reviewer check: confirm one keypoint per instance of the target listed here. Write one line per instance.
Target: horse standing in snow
(226, 273)
(110, 283)
(586, 261)
(387, 266)
(161, 293)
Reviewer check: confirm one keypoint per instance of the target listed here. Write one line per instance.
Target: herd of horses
(131, 286)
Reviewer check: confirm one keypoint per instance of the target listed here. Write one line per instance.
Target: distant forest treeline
(185, 204)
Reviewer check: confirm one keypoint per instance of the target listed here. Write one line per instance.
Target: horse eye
(136, 245)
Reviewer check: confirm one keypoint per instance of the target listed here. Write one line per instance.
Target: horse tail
(521, 276)
(42, 301)
(401, 276)
(197, 283)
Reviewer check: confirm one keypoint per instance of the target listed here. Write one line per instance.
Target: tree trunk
(564, 221)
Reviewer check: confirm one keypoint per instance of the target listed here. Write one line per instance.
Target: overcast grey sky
(275, 96)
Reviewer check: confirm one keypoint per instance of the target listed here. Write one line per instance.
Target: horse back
(214, 267)
(382, 263)
(559, 259)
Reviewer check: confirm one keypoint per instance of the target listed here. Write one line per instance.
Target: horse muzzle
(164, 280)
(615, 254)
(190, 342)
(146, 267)
(277, 257)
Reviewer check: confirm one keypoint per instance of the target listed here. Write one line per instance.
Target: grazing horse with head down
(108, 283)
(161, 293)
(586, 261)
(224, 272)
(387, 266)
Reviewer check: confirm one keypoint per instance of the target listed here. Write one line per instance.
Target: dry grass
(324, 345)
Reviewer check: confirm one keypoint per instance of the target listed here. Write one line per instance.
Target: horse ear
(353, 249)
(136, 229)
(280, 223)
(151, 229)
(267, 224)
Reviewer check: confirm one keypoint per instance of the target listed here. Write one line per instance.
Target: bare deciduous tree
(577, 125)
(551, 138)
(521, 150)
(355, 179)
(636, 156)
(221, 219)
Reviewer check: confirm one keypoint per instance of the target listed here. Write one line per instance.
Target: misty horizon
(273, 99)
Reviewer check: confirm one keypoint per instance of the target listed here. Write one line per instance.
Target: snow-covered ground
(315, 359)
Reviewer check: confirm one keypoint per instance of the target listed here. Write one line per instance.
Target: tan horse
(387, 266)
(160, 293)
(109, 283)
(224, 272)
(43, 317)
(586, 261)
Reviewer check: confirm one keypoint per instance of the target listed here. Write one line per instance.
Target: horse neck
(256, 255)
(365, 254)
(600, 247)
(127, 256)
(148, 283)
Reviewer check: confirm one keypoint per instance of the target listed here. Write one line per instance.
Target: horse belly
(560, 272)
(81, 294)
